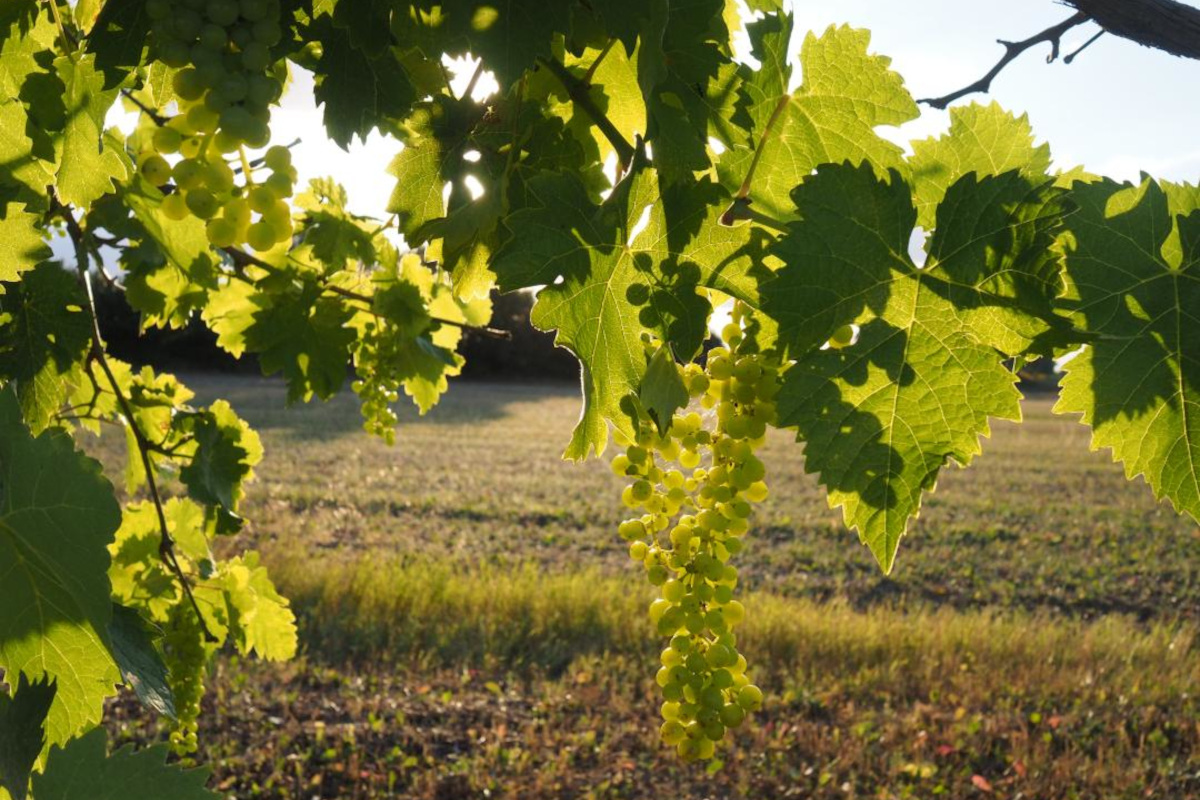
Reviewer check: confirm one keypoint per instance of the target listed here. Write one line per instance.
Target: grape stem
(155, 117)
(166, 546)
(579, 91)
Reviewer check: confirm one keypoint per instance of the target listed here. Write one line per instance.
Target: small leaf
(141, 665)
(663, 391)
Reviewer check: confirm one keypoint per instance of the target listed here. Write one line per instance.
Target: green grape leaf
(335, 235)
(918, 386)
(259, 619)
(1136, 384)
(118, 39)
(22, 245)
(226, 451)
(88, 165)
(172, 271)
(830, 118)
(663, 391)
(142, 667)
(57, 516)
(614, 271)
(986, 140)
(22, 735)
(45, 333)
(359, 91)
(683, 74)
(140, 579)
(82, 769)
(304, 336)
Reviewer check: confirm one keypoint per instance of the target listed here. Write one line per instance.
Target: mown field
(473, 627)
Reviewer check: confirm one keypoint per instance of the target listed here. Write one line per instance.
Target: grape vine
(632, 170)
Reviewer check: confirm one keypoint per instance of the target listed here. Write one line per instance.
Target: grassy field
(473, 627)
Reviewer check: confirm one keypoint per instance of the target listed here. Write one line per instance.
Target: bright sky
(1117, 109)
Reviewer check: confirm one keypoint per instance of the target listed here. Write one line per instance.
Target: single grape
(187, 84)
(174, 207)
(188, 174)
(202, 203)
(223, 12)
(154, 168)
(191, 146)
(166, 140)
(260, 236)
(221, 232)
(256, 57)
(277, 158)
(267, 32)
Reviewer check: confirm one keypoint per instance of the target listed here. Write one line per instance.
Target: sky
(1119, 108)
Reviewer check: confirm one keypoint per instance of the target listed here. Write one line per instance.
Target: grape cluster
(186, 657)
(224, 87)
(695, 487)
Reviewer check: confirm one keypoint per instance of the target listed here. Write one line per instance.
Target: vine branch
(579, 92)
(1052, 35)
(155, 117)
(166, 544)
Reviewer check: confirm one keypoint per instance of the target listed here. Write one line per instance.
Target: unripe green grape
(641, 490)
(190, 147)
(154, 168)
(732, 715)
(750, 697)
(202, 203)
(734, 612)
(632, 529)
(256, 57)
(241, 35)
(187, 84)
(267, 32)
(261, 198)
(279, 215)
(258, 135)
(238, 210)
(277, 158)
(223, 12)
(188, 174)
(203, 119)
(174, 54)
(221, 232)
(672, 732)
(253, 10)
(260, 237)
(657, 575)
(187, 24)
(213, 37)
(179, 124)
(280, 183)
(166, 140)
(216, 102)
(638, 551)
(262, 90)
(225, 142)
(174, 207)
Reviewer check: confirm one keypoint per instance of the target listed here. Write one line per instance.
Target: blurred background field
(472, 626)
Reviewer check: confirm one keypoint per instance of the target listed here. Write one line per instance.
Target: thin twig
(1052, 35)
(595, 65)
(155, 117)
(166, 544)
(580, 94)
(740, 210)
(1069, 58)
(242, 258)
(467, 92)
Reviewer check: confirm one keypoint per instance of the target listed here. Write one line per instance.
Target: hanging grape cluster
(186, 657)
(696, 487)
(224, 87)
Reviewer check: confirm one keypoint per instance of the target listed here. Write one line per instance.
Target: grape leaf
(608, 278)
(360, 91)
(82, 769)
(260, 620)
(21, 243)
(173, 269)
(1137, 384)
(57, 516)
(141, 665)
(44, 335)
(304, 336)
(88, 165)
(918, 385)
(118, 39)
(986, 140)
(663, 391)
(831, 117)
(223, 460)
(22, 736)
